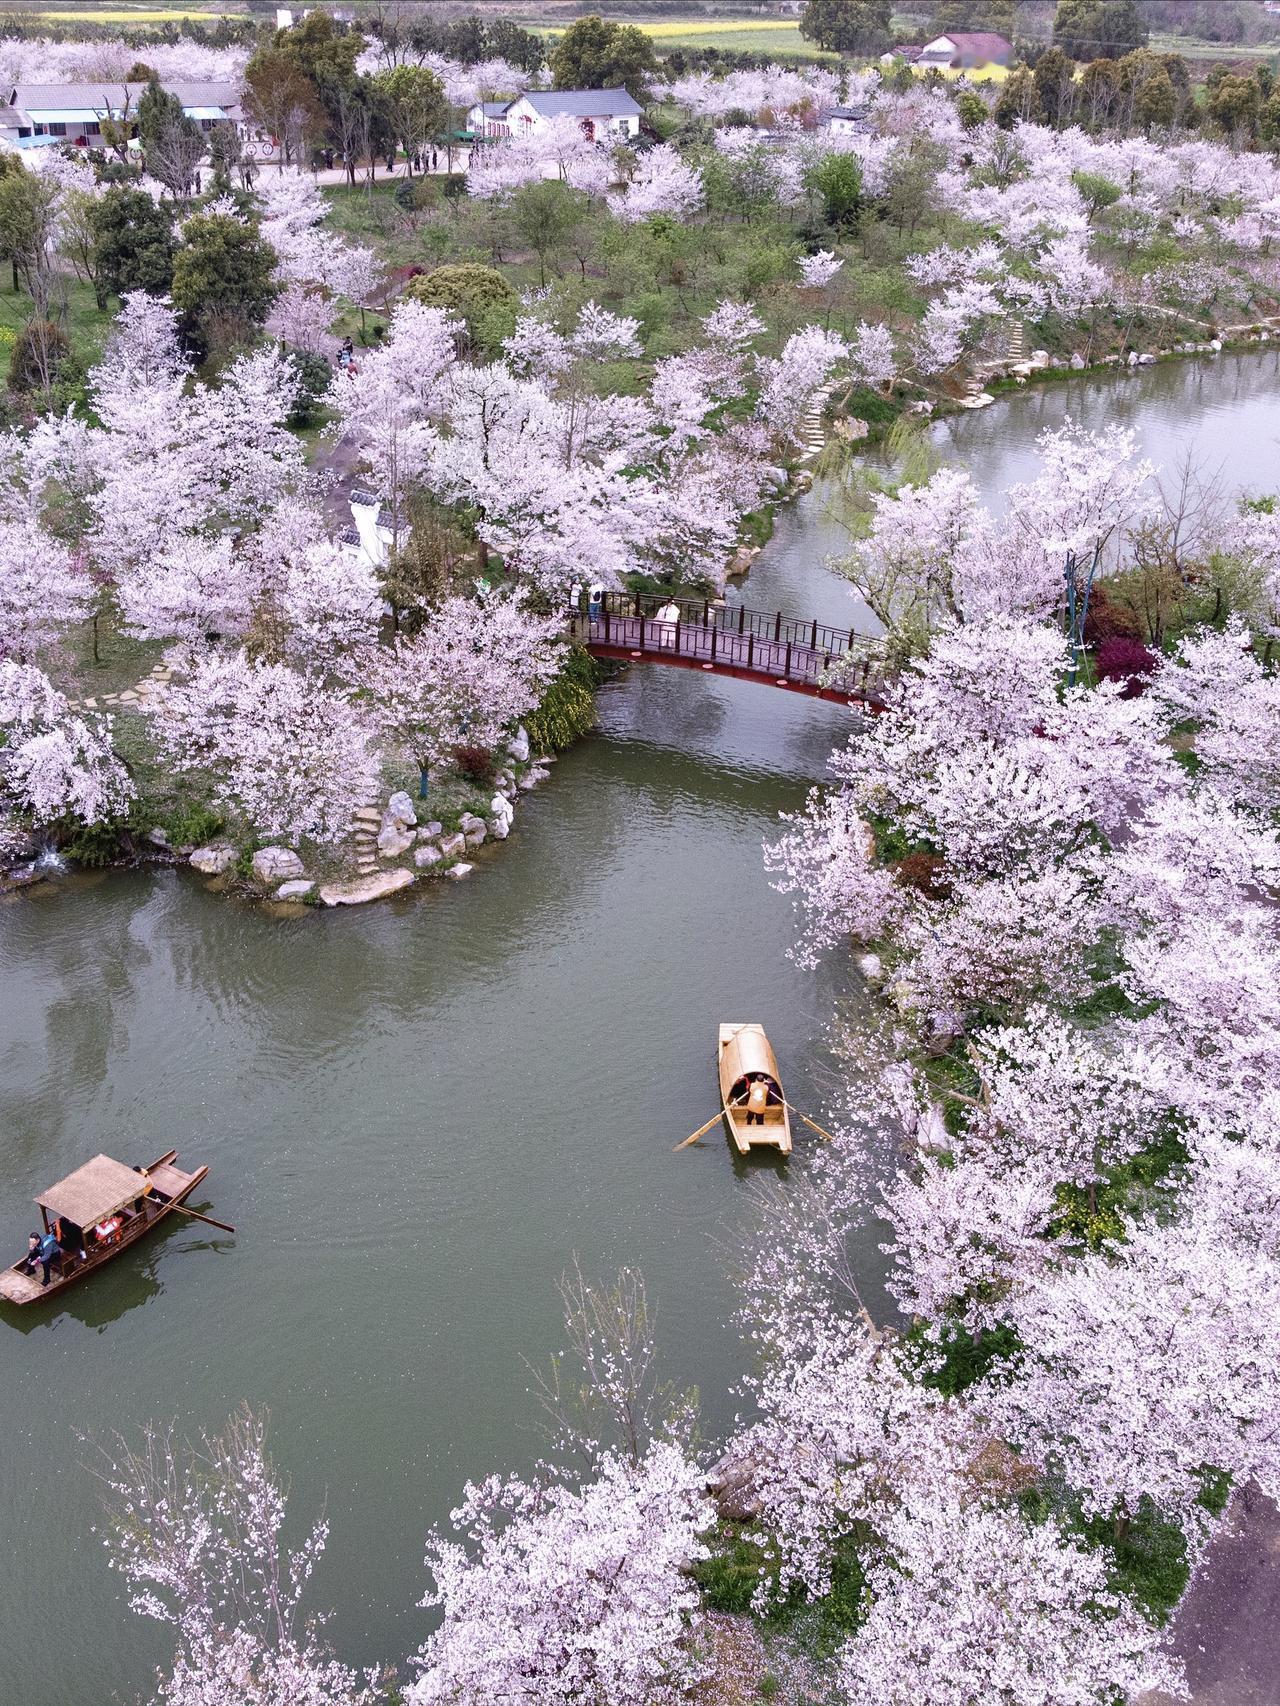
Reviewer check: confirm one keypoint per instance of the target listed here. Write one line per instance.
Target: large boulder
(476, 836)
(518, 747)
(453, 846)
(394, 839)
(213, 861)
(425, 857)
(457, 872)
(365, 889)
(294, 890)
(734, 1487)
(400, 809)
(276, 864)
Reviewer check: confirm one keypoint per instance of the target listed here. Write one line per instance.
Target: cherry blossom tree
(553, 1592)
(788, 383)
(557, 148)
(197, 1531)
(818, 270)
(661, 182)
(469, 673)
(1147, 1364)
(279, 746)
(389, 408)
(972, 1602)
(43, 589)
(56, 763)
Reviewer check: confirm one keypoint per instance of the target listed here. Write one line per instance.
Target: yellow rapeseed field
(129, 14)
(717, 27)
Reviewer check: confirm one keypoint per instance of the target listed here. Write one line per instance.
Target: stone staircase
(366, 820)
(811, 428)
(1016, 341)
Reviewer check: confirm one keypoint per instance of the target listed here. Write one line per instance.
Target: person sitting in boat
(106, 1230)
(70, 1237)
(42, 1247)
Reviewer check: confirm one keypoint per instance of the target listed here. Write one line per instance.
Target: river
(417, 1113)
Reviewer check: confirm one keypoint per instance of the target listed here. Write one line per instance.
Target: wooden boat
(129, 1200)
(749, 1081)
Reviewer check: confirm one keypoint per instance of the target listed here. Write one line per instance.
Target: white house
(488, 118)
(373, 534)
(847, 121)
(604, 114)
(43, 113)
(964, 51)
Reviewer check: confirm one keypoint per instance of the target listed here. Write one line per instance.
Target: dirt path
(338, 461)
(1227, 1632)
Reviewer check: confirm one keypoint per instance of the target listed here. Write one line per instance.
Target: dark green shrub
(92, 844)
(568, 708)
(41, 353)
(313, 374)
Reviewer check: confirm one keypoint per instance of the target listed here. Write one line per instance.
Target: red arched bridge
(751, 645)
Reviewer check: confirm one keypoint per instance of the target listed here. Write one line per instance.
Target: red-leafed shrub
(474, 762)
(1123, 659)
(1106, 618)
(925, 872)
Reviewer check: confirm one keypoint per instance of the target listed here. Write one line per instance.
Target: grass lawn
(86, 325)
(732, 35)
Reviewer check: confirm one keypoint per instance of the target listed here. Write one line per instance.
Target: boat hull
(20, 1288)
(746, 1047)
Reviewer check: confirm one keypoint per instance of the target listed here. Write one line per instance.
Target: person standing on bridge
(595, 601)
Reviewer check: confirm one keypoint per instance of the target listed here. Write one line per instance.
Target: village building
(373, 534)
(41, 114)
(606, 115)
(847, 121)
(963, 51)
(488, 118)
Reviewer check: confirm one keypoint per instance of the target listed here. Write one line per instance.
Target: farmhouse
(847, 121)
(39, 114)
(604, 114)
(966, 52)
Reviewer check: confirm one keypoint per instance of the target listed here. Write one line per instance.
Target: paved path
(1227, 1631)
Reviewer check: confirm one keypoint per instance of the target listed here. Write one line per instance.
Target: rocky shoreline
(394, 845)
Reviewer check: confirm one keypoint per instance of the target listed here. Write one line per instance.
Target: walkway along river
(416, 1113)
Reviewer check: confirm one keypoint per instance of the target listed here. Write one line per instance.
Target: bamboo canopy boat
(750, 1085)
(98, 1211)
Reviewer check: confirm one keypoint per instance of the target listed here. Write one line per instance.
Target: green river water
(416, 1113)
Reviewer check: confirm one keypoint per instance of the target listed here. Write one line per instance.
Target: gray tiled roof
(582, 103)
(49, 97)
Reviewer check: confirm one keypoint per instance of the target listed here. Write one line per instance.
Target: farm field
(779, 36)
(124, 14)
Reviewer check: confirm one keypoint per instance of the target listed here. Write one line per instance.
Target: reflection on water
(416, 1113)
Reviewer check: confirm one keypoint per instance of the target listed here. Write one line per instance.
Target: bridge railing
(730, 645)
(739, 619)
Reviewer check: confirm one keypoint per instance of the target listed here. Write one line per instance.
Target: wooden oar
(695, 1135)
(196, 1215)
(812, 1123)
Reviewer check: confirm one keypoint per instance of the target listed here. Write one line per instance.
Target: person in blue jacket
(42, 1247)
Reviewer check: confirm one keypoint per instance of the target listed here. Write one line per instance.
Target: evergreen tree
(133, 241)
(859, 27)
(597, 53)
(1094, 29)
